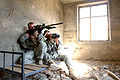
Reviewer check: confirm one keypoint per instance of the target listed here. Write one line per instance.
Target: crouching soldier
(32, 41)
(53, 45)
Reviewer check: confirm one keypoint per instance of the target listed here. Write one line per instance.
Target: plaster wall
(15, 15)
(99, 50)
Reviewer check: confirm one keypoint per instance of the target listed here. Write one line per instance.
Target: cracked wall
(15, 14)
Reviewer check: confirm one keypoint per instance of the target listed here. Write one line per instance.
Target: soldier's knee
(65, 57)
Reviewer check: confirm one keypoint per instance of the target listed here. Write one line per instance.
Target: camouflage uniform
(38, 47)
(53, 54)
(41, 49)
(26, 42)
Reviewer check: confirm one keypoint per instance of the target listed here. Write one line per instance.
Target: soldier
(53, 45)
(25, 40)
(34, 41)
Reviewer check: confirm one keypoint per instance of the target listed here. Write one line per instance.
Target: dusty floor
(82, 69)
(86, 69)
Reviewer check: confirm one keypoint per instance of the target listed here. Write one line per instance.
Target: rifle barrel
(55, 24)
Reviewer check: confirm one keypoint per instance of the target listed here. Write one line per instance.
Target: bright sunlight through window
(93, 22)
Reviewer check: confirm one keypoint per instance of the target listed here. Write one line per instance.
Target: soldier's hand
(56, 40)
(35, 33)
(27, 34)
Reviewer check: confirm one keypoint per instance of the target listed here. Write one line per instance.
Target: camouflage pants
(41, 49)
(48, 57)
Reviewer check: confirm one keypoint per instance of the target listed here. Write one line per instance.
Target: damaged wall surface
(101, 50)
(15, 15)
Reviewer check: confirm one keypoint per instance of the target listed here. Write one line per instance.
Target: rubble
(58, 72)
(53, 72)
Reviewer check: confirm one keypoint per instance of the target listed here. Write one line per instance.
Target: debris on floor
(86, 70)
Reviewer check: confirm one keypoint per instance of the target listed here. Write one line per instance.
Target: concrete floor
(84, 69)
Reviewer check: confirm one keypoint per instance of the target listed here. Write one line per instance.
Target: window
(93, 22)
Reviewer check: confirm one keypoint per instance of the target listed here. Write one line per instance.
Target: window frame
(90, 5)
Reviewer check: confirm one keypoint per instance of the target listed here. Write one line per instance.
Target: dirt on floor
(82, 70)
